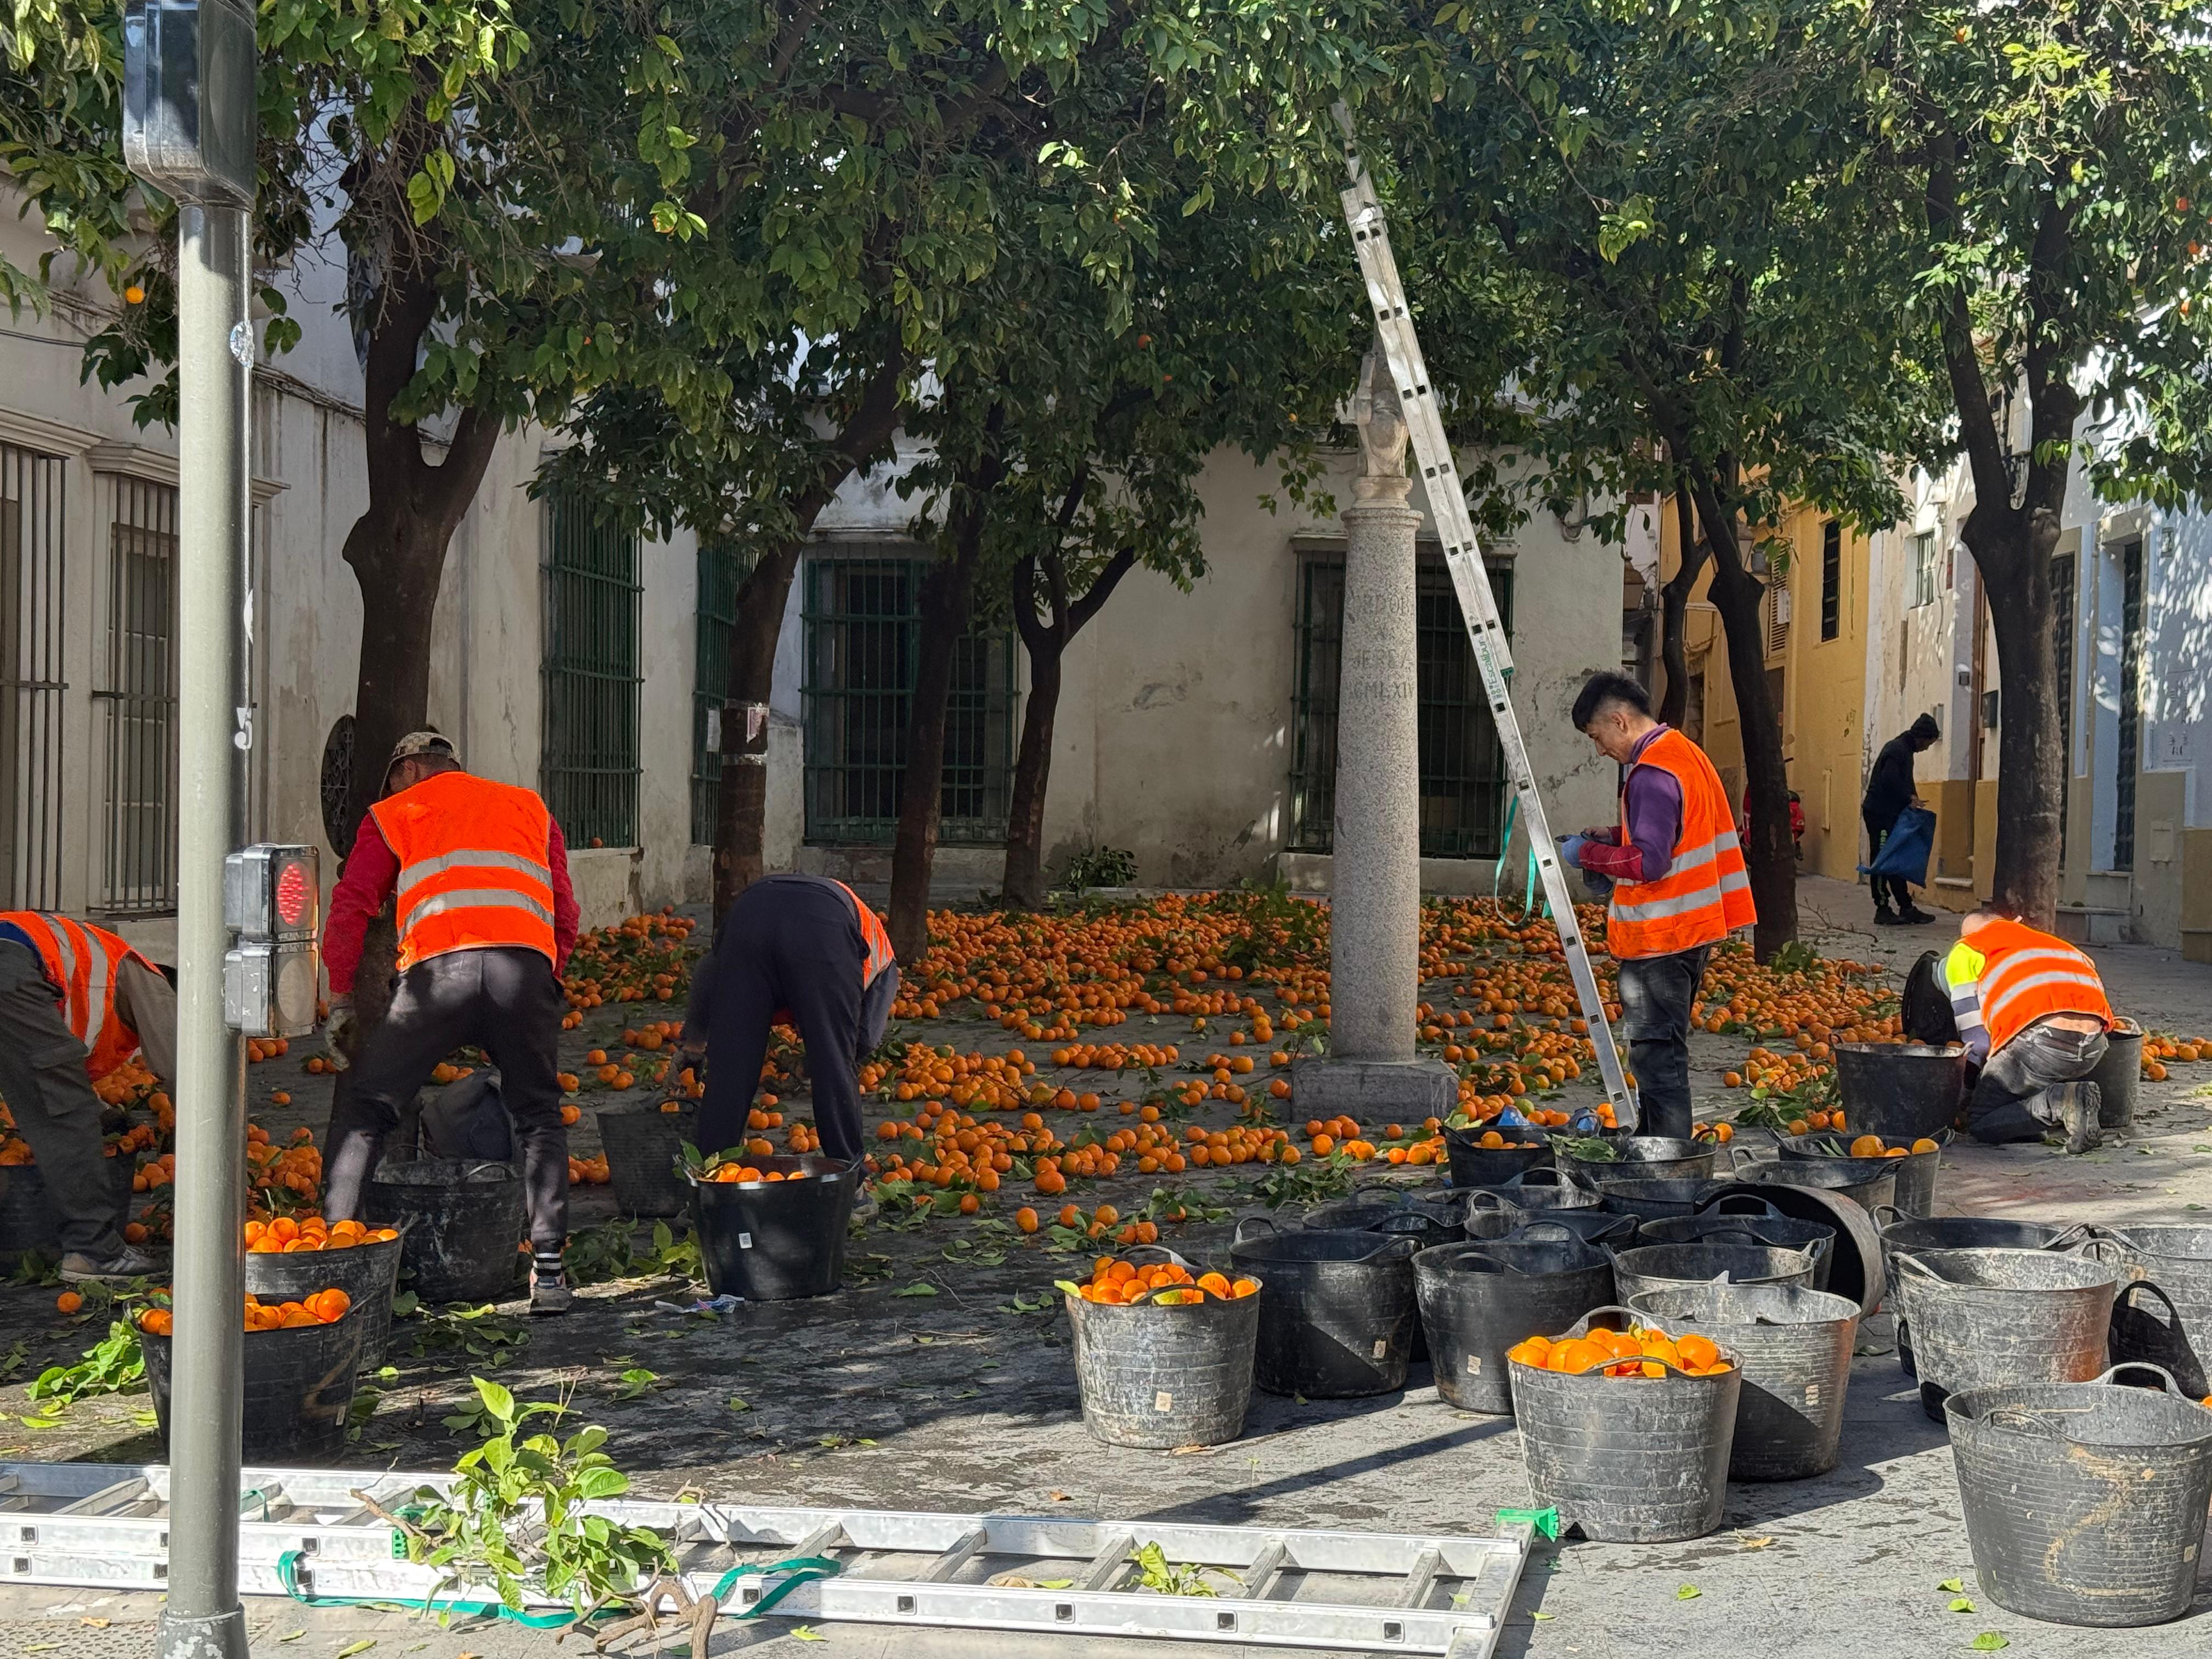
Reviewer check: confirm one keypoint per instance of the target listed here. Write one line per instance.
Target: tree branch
(1102, 587)
(1978, 427)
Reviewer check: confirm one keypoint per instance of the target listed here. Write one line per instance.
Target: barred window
(137, 696)
(33, 510)
(722, 572)
(590, 762)
(1923, 568)
(863, 634)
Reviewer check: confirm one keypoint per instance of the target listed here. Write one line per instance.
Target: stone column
(1375, 908)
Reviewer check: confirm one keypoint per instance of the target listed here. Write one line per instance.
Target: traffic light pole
(202, 1619)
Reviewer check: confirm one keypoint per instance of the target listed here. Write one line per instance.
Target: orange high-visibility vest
(1706, 894)
(2028, 974)
(81, 961)
(875, 936)
(475, 869)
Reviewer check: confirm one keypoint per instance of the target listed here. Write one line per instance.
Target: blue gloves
(1571, 849)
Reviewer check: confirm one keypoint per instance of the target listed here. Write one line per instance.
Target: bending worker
(802, 949)
(1679, 885)
(486, 917)
(2032, 1014)
(76, 1002)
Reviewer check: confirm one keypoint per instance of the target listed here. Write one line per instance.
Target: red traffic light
(295, 895)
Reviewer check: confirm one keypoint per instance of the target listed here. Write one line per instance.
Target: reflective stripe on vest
(1706, 892)
(81, 962)
(2027, 976)
(475, 869)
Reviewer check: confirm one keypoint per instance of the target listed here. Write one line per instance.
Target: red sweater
(373, 867)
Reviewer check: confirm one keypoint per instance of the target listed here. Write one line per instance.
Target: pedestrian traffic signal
(272, 900)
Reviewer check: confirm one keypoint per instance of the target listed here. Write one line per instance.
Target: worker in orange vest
(801, 950)
(1679, 885)
(76, 1002)
(486, 917)
(2032, 1014)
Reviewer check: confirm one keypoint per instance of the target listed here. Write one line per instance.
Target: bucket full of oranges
(1627, 1429)
(1162, 1350)
(1861, 1157)
(301, 1358)
(771, 1228)
(290, 1257)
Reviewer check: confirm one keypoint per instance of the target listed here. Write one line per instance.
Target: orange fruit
(1924, 1145)
(1244, 1287)
(1698, 1352)
(1026, 1219)
(68, 1302)
(1867, 1146)
(1575, 1355)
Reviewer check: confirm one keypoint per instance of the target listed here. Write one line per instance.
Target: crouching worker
(798, 950)
(2032, 1015)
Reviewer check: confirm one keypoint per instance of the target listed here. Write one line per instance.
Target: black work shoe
(2079, 1104)
(1885, 917)
(549, 1292)
(865, 1207)
(1913, 916)
(126, 1264)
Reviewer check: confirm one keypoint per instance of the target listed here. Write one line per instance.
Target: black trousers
(1885, 886)
(507, 1003)
(789, 942)
(1657, 993)
(42, 1080)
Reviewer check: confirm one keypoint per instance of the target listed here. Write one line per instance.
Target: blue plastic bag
(1905, 853)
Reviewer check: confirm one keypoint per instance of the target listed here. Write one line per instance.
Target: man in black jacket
(1889, 791)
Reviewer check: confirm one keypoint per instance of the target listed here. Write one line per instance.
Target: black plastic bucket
(1530, 1199)
(777, 1240)
(2119, 1076)
(1815, 1238)
(2168, 1322)
(644, 1146)
(1644, 1157)
(1337, 1312)
(28, 1221)
(459, 1223)
(1595, 1226)
(369, 1274)
(1158, 1376)
(1478, 1300)
(1914, 1174)
(1987, 1318)
(1476, 1166)
(1629, 1460)
(298, 1387)
(1875, 1183)
(1796, 1349)
(1856, 1269)
(2084, 1502)
(1656, 1266)
(1900, 1090)
(1899, 1231)
(1650, 1200)
(1428, 1224)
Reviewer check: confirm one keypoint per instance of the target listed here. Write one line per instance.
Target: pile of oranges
(643, 959)
(731, 1174)
(1875, 1147)
(2158, 1048)
(322, 1308)
(284, 1235)
(1165, 1284)
(589, 1171)
(1645, 1351)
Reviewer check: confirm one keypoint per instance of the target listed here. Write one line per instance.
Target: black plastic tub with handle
(1782, 1232)
(1478, 1300)
(1337, 1311)
(2119, 1076)
(2166, 1321)
(298, 1387)
(644, 1145)
(1473, 1165)
(459, 1221)
(2084, 1502)
(1159, 1375)
(777, 1240)
(369, 1274)
(1900, 1090)
(1739, 1261)
(1899, 1232)
(1983, 1318)
(1643, 1157)
(1591, 1226)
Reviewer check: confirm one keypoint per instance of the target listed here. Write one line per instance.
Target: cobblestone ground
(941, 1378)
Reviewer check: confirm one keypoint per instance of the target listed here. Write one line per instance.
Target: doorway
(2127, 755)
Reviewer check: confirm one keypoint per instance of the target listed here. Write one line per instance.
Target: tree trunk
(2031, 759)
(1024, 876)
(1673, 614)
(948, 595)
(1769, 850)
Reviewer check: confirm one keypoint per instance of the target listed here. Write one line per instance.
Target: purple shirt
(1651, 803)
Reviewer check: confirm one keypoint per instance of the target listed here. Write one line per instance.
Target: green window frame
(863, 636)
(721, 573)
(590, 761)
(1462, 764)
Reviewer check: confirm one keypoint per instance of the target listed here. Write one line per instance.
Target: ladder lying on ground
(316, 1533)
(1485, 629)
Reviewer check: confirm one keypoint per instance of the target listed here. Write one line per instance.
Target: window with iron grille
(1923, 568)
(1462, 766)
(722, 572)
(136, 697)
(2062, 600)
(1774, 613)
(31, 687)
(1831, 579)
(590, 764)
(863, 625)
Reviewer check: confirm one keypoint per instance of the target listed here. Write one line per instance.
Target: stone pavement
(957, 1401)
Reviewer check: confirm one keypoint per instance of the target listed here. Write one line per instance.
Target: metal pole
(202, 1619)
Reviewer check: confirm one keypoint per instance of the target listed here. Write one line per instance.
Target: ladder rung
(822, 1540)
(1108, 1565)
(1259, 1576)
(1421, 1582)
(940, 1571)
(105, 1498)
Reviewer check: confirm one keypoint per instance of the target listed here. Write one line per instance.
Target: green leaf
(1960, 1604)
(806, 1633)
(918, 1288)
(1954, 1585)
(498, 1400)
(1688, 1593)
(739, 1404)
(1988, 1642)
(291, 1636)
(362, 1646)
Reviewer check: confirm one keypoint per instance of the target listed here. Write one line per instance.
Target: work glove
(337, 1033)
(1571, 849)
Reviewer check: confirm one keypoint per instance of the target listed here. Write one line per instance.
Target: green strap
(288, 1574)
(1505, 840)
(1546, 1522)
(799, 1570)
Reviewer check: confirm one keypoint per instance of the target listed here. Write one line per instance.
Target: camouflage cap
(415, 744)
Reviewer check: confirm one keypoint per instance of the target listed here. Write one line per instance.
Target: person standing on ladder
(76, 1002)
(801, 950)
(2032, 1011)
(1679, 885)
(486, 918)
